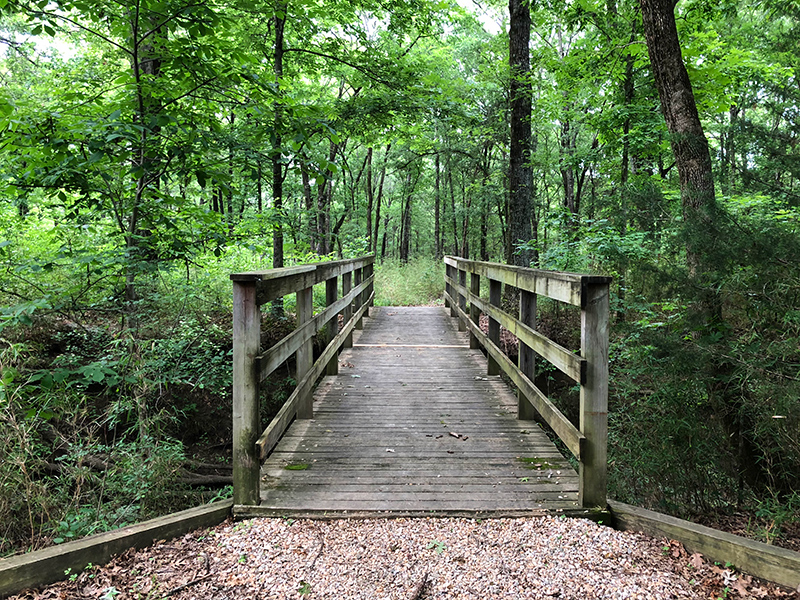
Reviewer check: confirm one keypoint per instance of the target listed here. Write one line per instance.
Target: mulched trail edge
(409, 559)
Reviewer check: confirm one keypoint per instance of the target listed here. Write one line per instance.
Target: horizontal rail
(558, 285)
(564, 429)
(277, 283)
(284, 349)
(565, 361)
(278, 425)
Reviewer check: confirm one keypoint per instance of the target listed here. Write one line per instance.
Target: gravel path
(409, 559)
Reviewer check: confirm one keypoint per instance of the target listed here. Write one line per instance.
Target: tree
(519, 172)
(687, 138)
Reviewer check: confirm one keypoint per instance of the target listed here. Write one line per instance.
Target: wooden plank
(276, 428)
(331, 322)
(495, 290)
(304, 357)
(272, 273)
(474, 310)
(594, 396)
(399, 396)
(525, 356)
(43, 567)
(754, 558)
(275, 283)
(347, 312)
(246, 341)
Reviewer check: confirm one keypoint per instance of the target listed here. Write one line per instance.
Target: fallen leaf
(696, 560)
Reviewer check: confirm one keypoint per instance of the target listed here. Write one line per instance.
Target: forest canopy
(150, 148)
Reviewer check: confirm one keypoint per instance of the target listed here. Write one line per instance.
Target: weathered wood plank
(43, 567)
(594, 395)
(767, 562)
(281, 351)
(246, 340)
(410, 378)
(275, 283)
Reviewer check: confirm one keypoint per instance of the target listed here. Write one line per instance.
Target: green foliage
(419, 282)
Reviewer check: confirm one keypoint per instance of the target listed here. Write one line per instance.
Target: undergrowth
(419, 282)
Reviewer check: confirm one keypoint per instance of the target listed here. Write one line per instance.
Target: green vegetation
(146, 155)
(416, 283)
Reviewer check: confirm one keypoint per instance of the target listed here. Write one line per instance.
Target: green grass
(417, 283)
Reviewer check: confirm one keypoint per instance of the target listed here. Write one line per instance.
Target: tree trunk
(437, 232)
(379, 198)
(688, 141)
(277, 170)
(519, 173)
(370, 199)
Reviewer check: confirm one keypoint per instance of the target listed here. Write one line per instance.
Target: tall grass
(416, 283)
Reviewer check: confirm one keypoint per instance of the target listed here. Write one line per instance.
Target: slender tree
(519, 172)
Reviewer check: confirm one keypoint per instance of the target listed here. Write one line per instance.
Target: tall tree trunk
(230, 176)
(693, 160)
(519, 173)
(456, 246)
(688, 141)
(277, 169)
(379, 197)
(437, 228)
(370, 199)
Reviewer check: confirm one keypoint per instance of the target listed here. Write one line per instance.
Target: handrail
(253, 289)
(588, 443)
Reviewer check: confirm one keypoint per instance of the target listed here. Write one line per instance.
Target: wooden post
(369, 269)
(495, 289)
(527, 315)
(246, 425)
(358, 278)
(305, 354)
(347, 313)
(474, 311)
(462, 299)
(331, 294)
(451, 274)
(594, 395)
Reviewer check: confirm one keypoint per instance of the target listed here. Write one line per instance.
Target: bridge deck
(384, 434)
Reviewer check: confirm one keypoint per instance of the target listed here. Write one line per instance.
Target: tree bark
(519, 172)
(370, 199)
(688, 141)
(277, 170)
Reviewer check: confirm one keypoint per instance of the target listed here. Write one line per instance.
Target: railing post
(347, 313)
(495, 289)
(474, 311)
(462, 298)
(369, 269)
(594, 395)
(332, 327)
(358, 278)
(246, 425)
(527, 315)
(305, 354)
(451, 274)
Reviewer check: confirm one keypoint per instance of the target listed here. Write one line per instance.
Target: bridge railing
(588, 441)
(251, 364)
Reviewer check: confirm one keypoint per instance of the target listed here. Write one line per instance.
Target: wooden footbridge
(411, 416)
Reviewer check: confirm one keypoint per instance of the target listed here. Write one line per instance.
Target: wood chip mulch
(409, 559)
